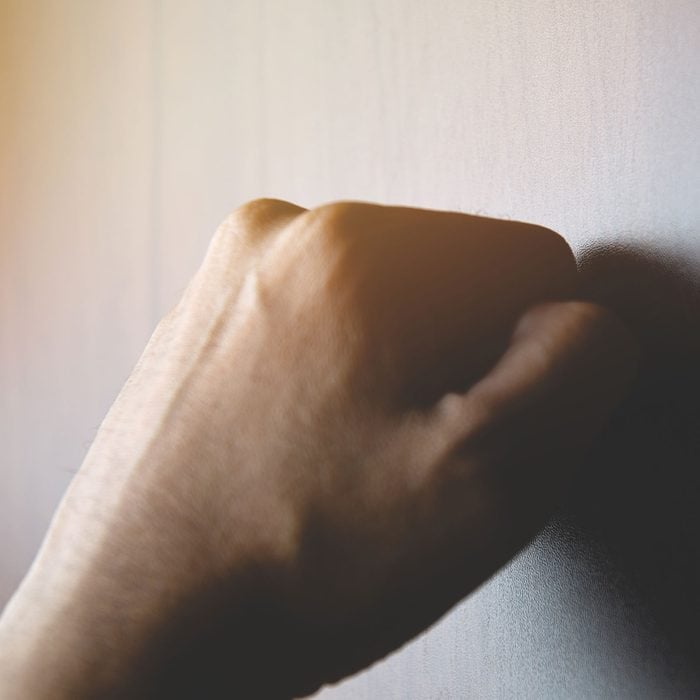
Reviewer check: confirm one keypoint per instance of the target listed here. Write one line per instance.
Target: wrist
(115, 613)
(99, 641)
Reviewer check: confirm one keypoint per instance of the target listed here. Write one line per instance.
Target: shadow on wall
(639, 498)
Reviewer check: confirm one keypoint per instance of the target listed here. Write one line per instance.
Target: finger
(444, 289)
(500, 454)
(496, 271)
(528, 421)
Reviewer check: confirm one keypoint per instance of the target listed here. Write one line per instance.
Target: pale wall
(130, 127)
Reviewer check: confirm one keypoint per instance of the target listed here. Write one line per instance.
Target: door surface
(130, 128)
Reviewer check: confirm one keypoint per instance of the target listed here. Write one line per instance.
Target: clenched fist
(354, 416)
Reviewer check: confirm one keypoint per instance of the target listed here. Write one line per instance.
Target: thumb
(519, 431)
(499, 455)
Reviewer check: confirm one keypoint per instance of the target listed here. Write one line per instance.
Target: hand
(352, 418)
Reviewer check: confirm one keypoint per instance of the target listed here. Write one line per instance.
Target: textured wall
(129, 128)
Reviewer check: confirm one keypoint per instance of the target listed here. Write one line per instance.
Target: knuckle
(329, 232)
(331, 257)
(252, 221)
(257, 210)
(342, 221)
(335, 214)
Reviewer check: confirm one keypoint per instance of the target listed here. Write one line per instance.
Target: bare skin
(352, 418)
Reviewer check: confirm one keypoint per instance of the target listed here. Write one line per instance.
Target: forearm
(106, 633)
(95, 650)
(123, 599)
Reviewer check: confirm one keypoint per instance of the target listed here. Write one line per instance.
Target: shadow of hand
(639, 497)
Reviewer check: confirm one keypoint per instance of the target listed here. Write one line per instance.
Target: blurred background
(129, 129)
